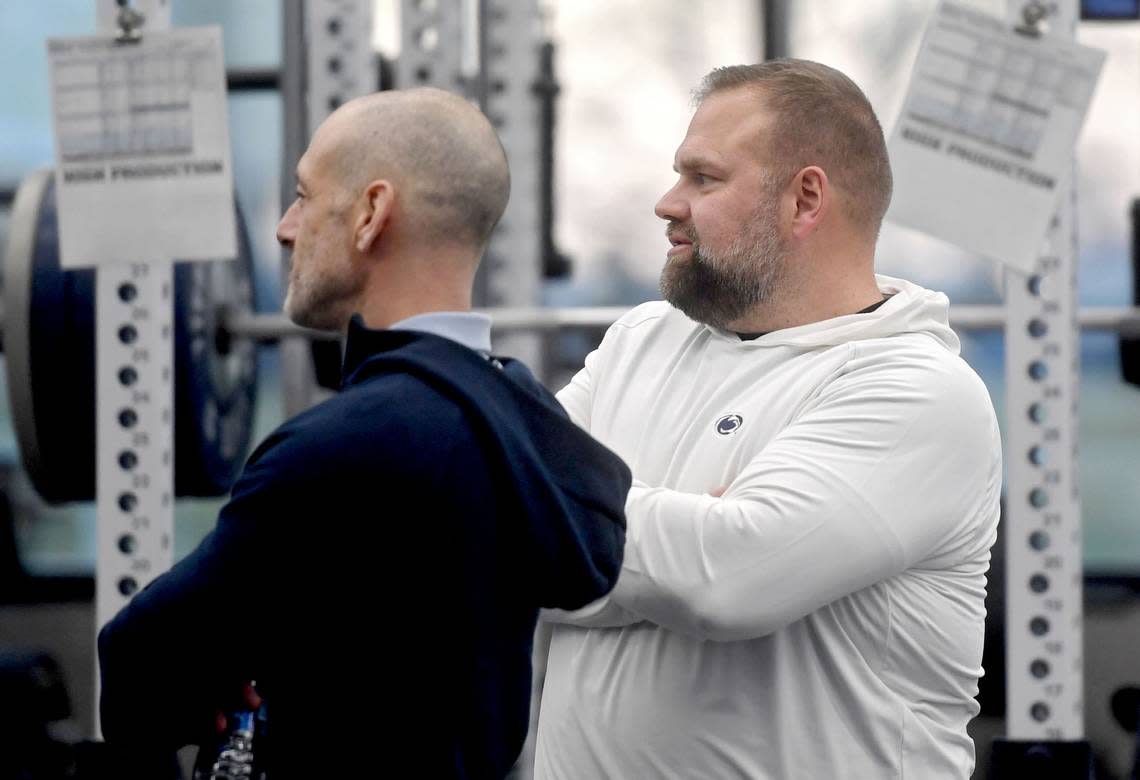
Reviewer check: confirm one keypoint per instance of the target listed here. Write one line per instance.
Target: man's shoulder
(421, 404)
(919, 378)
(919, 358)
(655, 323)
(647, 314)
(384, 401)
(387, 410)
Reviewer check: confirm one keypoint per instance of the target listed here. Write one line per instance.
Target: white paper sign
(143, 165)
(987, 132)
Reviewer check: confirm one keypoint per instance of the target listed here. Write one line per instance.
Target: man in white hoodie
(817, 475)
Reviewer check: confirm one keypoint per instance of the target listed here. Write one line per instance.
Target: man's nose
(672, 207)
(287, 227)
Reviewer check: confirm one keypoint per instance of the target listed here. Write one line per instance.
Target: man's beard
(318, 297)
(719, 288)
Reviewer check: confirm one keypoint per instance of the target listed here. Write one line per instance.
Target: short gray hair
(820, 117)
(443, 152)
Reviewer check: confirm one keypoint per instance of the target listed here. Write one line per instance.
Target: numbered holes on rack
(128, 377)
(1037, 328)
(1038, 498)
(128, 586)
(1040, 711)
(128, 502)
(1039, 626)
(128, 292)
(1039, 583)
(128, 334)
(128, 544)
(1039, 668)
(1041, 287)
(1038, 413)
(1039, 540)
(1038, 371)
(1038, 455)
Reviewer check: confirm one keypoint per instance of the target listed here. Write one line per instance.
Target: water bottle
(235, 757)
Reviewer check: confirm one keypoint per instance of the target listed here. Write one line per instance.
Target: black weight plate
(50, 350)
(1130, 345)
(49, 345)
(215, 375)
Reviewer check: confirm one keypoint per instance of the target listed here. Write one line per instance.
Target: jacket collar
(363, 343)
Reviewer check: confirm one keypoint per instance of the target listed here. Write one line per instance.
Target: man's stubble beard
(719, 288)
(318, 298)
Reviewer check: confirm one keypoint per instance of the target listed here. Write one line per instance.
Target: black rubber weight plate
(50, 347)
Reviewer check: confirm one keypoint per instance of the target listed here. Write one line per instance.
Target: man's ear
(812, 195)
(379, 201)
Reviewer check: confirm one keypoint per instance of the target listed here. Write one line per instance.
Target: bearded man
(816, 475)
(381, 563)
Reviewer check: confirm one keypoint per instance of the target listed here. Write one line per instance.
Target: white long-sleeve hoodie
(824, 617)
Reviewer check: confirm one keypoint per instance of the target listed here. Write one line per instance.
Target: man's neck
(398, 291)
(813, 292)
(384, 315)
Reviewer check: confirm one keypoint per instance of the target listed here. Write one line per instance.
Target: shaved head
(439, 151)
(397, 196)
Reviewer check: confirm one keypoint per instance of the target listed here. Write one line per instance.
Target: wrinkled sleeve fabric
(573, 492)
(885, 471)
(577, 398)
(185, 644)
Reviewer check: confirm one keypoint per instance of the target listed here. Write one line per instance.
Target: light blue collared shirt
(468, 328)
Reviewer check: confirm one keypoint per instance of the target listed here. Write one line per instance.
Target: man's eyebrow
(693, 162)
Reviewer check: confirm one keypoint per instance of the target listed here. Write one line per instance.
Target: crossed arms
(878, 476)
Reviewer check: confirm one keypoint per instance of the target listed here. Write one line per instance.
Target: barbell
(49, 345)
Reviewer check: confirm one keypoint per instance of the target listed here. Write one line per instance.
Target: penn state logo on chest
(729, 424)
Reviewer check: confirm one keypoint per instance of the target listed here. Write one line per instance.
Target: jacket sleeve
(184, 645)
(573, 511)
(881, 474)
(576, 398)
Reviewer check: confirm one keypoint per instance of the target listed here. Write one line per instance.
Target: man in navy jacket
(380, 565)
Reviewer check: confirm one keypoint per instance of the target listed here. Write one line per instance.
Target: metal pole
(965, 318)
(1044, 636)
(134, 402)
(776, 18)
(297, 377)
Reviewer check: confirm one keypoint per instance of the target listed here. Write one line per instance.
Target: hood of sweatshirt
(909, 309)
(567, 488)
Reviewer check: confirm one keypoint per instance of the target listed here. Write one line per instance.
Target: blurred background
(625, 71)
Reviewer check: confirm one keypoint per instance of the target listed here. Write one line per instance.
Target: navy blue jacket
(378, 571)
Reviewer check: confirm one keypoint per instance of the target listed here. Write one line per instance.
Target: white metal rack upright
(1044, 577)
